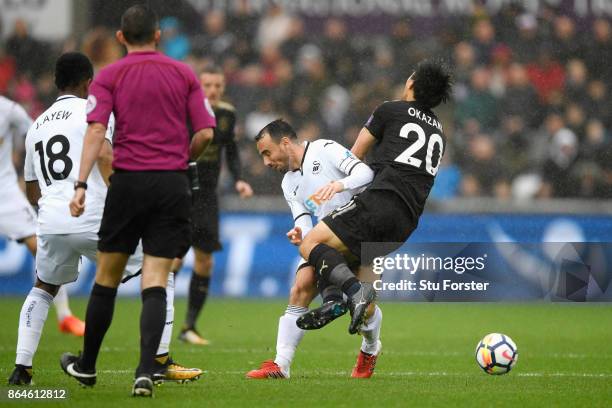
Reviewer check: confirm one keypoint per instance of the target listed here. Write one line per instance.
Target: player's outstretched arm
(363, 144)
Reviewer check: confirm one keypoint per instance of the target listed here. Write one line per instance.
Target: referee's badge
(91, 104)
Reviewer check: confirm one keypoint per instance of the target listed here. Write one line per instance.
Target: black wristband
(80, 184)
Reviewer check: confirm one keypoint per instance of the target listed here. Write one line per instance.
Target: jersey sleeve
(358, 174)
(29, 172)
(20, 120)
(376, 122)
(232, 153)
(301, 216)
(100, 100)
(201, 115)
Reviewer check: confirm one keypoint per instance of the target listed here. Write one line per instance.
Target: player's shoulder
(290, 180)
(223, 106)
(324, 144)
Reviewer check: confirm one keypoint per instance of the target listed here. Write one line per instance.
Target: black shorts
(374, 216)
(150, 205)
(205, 218)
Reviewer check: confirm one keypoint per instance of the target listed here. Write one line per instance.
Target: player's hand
(77, 204)
(328, 191)
(295, 236)
(244, 189)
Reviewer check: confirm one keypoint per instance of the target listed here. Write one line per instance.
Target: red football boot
(364, 368)
(73, 325)
(268, 369)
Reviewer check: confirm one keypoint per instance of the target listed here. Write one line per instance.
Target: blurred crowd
(531, 115)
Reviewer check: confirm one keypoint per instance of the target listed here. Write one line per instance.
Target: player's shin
(98, 318)
(31, 322)
(371, 332)
(289, 337)
(164, 344)
(152, 321)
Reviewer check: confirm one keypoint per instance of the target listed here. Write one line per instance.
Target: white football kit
(17, 218)
(53, 153)
(324, 161)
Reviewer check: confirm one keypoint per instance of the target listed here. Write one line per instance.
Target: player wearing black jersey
(408, 142)
(205, 211)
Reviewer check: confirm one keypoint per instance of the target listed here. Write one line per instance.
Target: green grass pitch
(565, 358)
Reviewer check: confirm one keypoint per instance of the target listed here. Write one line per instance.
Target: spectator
(599, 51)
(520, 98)
(562, 150)
(174, 43)
(480, 104)
(483, 41)
(547, 76)
(274, 27)
(566, 43)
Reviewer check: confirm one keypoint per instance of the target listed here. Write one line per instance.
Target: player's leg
(289, 336)
(323, 249)
(205, 241)
(31, 322)
(56, 263)
(371, 345)
(198, 293)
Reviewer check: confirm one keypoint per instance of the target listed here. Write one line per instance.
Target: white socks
(164, 344)
(31, 322)
(288, 338)
(61, 304)
(371, 332)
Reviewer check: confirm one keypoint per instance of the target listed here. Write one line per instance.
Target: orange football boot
(268, 369)
(72, 325)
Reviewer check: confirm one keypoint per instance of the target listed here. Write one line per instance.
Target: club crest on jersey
(92, 102)
(316, 167)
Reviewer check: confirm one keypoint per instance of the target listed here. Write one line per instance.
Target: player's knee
(47, 287)
(301, 294)
(203, 263)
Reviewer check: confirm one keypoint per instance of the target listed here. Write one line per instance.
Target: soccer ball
(496, 353)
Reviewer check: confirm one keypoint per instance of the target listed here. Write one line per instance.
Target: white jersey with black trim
(53, 158)
(324, 161)
(14, 122)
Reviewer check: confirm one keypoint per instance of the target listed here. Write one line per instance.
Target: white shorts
(17, 217)
(58, 256)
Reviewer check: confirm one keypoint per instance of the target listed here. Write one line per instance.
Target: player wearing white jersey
(320, 176)
(53, 154)
(17, 218)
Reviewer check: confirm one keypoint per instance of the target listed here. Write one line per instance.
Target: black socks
(152, 322)
(198, 291)
(98, 318)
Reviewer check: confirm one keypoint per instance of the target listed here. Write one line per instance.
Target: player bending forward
(320, 176)
(17, 218)
(409, 146)
(53, 151)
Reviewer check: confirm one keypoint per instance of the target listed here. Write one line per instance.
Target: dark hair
(212, 69)
(432, 83)
(71, 69)
(138, 25)
(277, 130)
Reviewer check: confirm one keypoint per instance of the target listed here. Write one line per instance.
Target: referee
(150, 95)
